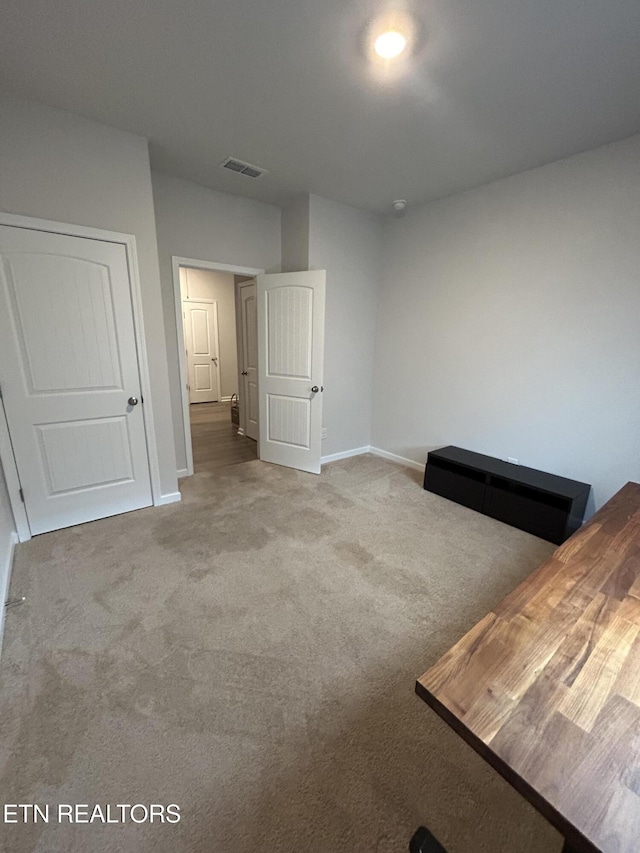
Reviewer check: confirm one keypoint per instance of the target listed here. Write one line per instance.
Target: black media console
(548, 506)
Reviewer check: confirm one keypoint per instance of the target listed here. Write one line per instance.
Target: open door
(290, 368)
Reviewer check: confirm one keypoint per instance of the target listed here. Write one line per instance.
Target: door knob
(315, 389)
(132, 401)
(244, 373)
(214, 359)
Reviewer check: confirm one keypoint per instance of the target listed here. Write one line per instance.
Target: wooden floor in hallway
(214, 439)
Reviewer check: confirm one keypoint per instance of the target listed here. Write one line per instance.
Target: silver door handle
(244, 373)
(132, 401)
(314, 389)
(214, 359)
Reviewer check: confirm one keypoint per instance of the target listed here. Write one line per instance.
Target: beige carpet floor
(250, 654)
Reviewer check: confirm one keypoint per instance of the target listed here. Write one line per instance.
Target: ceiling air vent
(242, 168)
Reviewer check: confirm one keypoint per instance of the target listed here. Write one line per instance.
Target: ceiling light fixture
(390, 44)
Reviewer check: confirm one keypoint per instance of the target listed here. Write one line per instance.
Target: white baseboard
(170, 498)
(377, 451)
(393, 457)
(6, 564)
(345, 454)
(182, 472)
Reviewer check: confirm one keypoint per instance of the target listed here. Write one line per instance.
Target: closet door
(70, 379)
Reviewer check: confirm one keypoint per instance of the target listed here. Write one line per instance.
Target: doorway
(213, 347)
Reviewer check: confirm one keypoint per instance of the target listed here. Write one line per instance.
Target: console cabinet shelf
(546, 505)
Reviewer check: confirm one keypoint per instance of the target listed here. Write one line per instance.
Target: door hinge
(21, 495)
(0, 392)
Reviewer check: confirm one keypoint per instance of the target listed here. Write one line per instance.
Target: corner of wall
(295, 235)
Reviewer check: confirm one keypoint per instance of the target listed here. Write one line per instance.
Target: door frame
(240, 341)
(128, 241)
(12, 479)
(214, 303)
(193, 263)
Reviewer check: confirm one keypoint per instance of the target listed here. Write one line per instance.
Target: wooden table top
(547, 687)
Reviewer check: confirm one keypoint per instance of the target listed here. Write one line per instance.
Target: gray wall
(7, 524)
(7, 539)
(295, 235)
(220, 287)
(347, 243)
(196, 222)
(509, 322)
(54, 165)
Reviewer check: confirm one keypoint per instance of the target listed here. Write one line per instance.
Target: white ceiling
(492, 87)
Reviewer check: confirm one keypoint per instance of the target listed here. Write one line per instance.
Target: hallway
(214, 439)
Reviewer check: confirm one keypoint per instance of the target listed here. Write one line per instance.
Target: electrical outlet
(512, 460)
(324, 432)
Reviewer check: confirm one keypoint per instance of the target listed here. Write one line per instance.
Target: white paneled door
(249, 372)
(201, 343)
(70, 380)
(290, 366)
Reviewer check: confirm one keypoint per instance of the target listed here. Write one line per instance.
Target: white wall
(509, 322)
(219, 287)
(196, 222)
(54, 165)
(347, 243)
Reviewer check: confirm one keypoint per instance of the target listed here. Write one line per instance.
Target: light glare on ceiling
(390, 44)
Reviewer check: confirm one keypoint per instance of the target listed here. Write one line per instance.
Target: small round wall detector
(399, 205)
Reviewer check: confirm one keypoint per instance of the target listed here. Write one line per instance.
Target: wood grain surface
(547, 687)
(214, 440)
